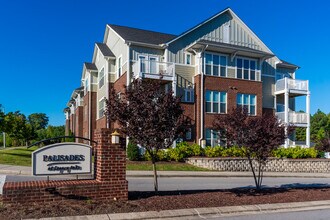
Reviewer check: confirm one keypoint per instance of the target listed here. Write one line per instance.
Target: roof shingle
(142, 36)
(105, 50)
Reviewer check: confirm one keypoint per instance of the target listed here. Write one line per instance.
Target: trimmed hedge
(183, 150)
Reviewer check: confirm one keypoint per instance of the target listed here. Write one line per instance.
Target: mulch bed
(148, 201)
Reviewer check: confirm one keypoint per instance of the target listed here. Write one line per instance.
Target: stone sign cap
(62, 159)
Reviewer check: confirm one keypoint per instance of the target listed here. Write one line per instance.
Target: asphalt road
(201, 183)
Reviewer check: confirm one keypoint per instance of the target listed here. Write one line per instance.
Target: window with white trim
(101, 107)
(189, 95)
(188, 58)
(215, 65)
(246, 69)
(101, 78)
(119, 66)
(216, 102)
(248, 102)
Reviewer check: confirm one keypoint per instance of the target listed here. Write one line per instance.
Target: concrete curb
(169, 174)
(208, 212)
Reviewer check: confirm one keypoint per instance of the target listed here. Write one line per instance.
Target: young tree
(148, 115)
(257, 135)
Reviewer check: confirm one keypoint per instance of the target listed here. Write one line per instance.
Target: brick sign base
(109, 183)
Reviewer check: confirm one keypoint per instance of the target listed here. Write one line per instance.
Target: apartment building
(214, 66)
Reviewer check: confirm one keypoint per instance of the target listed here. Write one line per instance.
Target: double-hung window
(101, 107)
(215, 65)
(101, 78)
(248, 102)
(216, 102)
(246, 69)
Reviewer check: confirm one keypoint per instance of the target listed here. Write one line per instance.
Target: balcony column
(174, 80)
(286, 111)
(308, 129)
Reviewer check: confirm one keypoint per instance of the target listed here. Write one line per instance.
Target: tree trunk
(254, 174)
(155, 175)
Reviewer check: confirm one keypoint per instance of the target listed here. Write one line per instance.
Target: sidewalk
(26, 171)
(204, 213)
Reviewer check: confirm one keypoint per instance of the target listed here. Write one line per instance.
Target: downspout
(201, 70)
(128, 76)
(89, 108)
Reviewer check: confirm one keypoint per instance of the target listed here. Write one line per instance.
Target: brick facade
(89, 105)
(231, 87)
(109, 183)
(79, 114)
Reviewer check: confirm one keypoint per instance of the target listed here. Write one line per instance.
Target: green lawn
(162, 166)
(18, 156)
(22, 157)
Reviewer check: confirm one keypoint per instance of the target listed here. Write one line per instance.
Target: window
(213, 138)
(246, 69)
(216, 102)
(188, 59)
(215, 65)
(119, 67)
(101, 107)
(189, 95)
(101, 78)
(188, 134)
(86, 85)
(247, 102)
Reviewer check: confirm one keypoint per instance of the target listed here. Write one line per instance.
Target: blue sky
(43, 44)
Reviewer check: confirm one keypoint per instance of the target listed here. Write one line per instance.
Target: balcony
(293, 85)
(152, 69)
(295, 118)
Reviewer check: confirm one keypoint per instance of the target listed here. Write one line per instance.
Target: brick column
(110, 164)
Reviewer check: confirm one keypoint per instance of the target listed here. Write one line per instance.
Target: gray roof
(105, 50)
(286, 64)
(90, 66)
(142, 36)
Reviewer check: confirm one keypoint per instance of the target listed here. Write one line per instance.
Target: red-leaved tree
(259, 136)
(148, 115)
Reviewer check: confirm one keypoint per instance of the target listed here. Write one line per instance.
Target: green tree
(38, 120)
(318, 121)
(18, 128)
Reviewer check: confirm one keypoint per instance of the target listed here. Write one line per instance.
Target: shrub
(213, 151)
(133, 151)
(296, 152)
(197, 150)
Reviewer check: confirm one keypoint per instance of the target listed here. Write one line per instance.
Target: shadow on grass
(18, 154)
(239, 192)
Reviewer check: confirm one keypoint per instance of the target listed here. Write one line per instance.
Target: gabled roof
(90, 66)
(105, 50)
(227, 10)
(130, 34)
(286, 64)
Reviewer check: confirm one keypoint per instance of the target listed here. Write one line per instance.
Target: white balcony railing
(294, 117)
(153, 69)
(291, 84)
